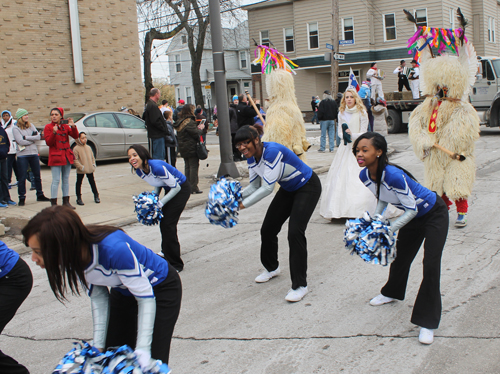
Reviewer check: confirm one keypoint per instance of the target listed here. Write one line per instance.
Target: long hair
(143, 153)
(359, 103)
(23, 125)
(65, 245)
(380, 144)
(247, 132)
(187, 111)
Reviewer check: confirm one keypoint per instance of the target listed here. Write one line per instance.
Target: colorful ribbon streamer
(270, 59)
(436, 37)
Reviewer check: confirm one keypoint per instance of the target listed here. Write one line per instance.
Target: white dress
(344, 195)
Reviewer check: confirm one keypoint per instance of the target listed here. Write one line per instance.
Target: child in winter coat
(379, 112)
(85, 165)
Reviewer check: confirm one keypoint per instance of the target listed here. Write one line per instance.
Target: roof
(266, 4)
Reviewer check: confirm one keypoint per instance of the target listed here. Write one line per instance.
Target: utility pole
(227, 165)
(335, 43)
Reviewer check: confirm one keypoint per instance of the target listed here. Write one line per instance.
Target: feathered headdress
(271, 59)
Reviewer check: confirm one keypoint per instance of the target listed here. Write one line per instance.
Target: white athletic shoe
(381, 300)
(296, 295)
(426, 336)
(267, 275)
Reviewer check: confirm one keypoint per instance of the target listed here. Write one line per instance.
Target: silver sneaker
(267, 275)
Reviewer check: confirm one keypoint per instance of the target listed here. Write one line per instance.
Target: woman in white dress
(344, 195)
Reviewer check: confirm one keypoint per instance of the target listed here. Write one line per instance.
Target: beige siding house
(379, 31)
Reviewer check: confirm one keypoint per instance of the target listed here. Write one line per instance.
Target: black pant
(4, 182)
(433, 227)
(403, 82)
(14, 289)
(299, 205)
(12, 166)
(191, 166)
(79, 180)
(171, 155)
(122, 326)
(172, 211)
(236, 152)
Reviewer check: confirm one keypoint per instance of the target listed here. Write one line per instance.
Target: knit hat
(21, 112)
(235, 97)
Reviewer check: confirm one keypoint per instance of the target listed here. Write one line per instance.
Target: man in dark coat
(156, 125)
(246, 112)
(327, 116)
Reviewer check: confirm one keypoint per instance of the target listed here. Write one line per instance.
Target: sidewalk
(117, 185)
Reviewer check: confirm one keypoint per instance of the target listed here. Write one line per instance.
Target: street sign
(208, 87)
(208, 95)
(346, 42)
(329, 46)
(339, 56)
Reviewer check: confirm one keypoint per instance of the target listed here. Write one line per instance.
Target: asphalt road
(229, 324)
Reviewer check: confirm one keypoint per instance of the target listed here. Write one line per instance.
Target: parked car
(109, 134)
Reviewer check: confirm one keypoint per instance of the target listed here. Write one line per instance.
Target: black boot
(53, 201)
(42, 198)
(66, 202)
(79, 200)
(21, 201)
(96, 198)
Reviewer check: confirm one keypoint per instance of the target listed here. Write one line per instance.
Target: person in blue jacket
(161, 175)
(16, 281)
(425, 220)
(300, 188)
(135, 294)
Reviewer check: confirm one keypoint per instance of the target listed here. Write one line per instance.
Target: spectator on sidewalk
(327, 114)
(85, 165)
(376, 81)
(379, 110)
(5, 199)
(246, 112)
(8, 124)
(164, 106)
(401, 72)
(170, 140)
(26, 135)
(233, 122)
(414, 78)
(177, 110)
(314, 107)
(365, 95)
(155, 124)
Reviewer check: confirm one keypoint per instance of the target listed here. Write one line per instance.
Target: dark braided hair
(380, 144)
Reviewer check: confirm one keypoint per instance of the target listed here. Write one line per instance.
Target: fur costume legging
(462, 204)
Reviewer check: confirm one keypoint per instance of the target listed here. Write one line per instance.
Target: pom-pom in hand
(223, 203)
(372, 239)
(147, 208)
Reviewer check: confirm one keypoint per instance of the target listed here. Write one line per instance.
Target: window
(312, 31)
(487, 70)
(184, 39)
(491, 29)
(178, 68)
(348, 28)
(264, 38)
(246, 84)
(243, 60)
(452, 18)
(129, 121)
(390, 27)
(89, 122)
(289, 43)
(106, 120)
(188, 95)
(421, 17)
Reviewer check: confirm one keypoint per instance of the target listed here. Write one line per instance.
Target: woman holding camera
(61, 157)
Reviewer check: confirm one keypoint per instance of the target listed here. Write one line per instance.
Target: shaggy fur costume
(284, 121)
(457, 126)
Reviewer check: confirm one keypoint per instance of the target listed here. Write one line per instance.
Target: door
(107, 135)
(485, 88)
(134, 129)
(232, 90)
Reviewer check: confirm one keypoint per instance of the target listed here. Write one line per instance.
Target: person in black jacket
(233, 121)
(4, 176)
(327, 115)
(156, 125)
(246, 112)
(170, 140)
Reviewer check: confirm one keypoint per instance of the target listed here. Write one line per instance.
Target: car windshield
(496, 66)
(76, 116)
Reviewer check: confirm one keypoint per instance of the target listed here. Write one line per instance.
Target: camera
(64, 122)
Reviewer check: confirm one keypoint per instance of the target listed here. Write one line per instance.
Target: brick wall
(36, 63)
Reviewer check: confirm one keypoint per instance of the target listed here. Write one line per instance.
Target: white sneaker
(296, 295)
(381, 300)
(267, 275)
(426, 336)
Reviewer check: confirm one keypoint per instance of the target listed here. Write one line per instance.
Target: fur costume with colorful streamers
(446, 117)
(284, 121)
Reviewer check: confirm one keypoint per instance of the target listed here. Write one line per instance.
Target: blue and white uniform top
(163, 175)
(278, 164)
(8, 258)
(400, 190)
(120, 262)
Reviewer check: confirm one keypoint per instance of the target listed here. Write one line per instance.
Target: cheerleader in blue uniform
(270, 163)
(425, 218)
(160, 175)
(15, 285)
(135, 294)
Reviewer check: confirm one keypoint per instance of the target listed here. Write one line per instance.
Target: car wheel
(44, 160)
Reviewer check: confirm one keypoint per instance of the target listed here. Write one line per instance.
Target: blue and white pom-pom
(147, 209)
(223, 203)
(85, 359)
(371, 239)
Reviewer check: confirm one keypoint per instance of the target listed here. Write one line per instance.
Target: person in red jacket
(61, 156)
